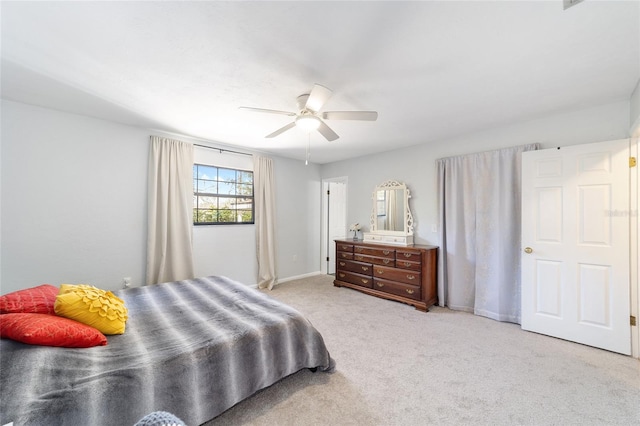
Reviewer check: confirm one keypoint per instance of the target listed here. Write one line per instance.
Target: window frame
(217, 194)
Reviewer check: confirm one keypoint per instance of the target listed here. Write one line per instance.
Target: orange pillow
(92, 306)
(38, 300)
(49, 330)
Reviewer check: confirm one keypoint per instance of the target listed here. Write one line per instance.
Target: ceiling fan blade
(281, 130)
(326, 131)
(270, 111)
(350, 115)
(318, 96)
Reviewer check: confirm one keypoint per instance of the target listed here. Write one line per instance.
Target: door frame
(325, 219)
(634, 243)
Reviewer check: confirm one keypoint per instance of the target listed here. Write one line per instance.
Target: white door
(334, 220)
(575, 237)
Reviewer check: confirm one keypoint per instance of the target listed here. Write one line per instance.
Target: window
(222, 195)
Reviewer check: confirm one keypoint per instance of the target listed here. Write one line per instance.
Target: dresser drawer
(387, 261)
(378, 252)
(402, 275)
(407, 264)
(344, 247)
(400, 240)
(408, 254)
(353, 278)
(399, 289)
(344, 255)
(358, 267)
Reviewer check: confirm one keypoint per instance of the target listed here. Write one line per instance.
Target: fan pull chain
(306, 161)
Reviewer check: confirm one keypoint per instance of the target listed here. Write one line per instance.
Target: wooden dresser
(405, 274)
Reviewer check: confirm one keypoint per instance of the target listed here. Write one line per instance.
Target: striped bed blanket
(193, 348)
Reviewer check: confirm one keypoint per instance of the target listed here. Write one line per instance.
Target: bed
(193, 348)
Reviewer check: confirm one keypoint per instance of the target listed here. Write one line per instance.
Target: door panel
(337, 219)
(334, 220)
(548, 288)
(575, 277)
(594, 283)
(548, 203)
(594, 225)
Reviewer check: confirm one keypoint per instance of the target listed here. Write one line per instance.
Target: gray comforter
(193, 348)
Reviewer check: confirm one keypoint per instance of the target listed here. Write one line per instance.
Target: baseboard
(298, 277)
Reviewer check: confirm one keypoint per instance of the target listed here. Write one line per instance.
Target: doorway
(334, 219)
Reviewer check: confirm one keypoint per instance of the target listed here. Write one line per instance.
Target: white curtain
(265, 211)
(479, 208)
(170, 211)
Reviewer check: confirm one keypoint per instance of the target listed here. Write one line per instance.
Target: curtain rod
(222, 149)
(193, 138)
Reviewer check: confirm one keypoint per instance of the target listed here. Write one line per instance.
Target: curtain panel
(265, 221)
(170, 211)
(480, 215)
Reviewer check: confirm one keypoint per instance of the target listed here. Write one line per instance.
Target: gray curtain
(265, 221)
(170, 211)
(480, 216)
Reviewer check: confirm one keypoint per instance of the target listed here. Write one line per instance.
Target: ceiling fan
(310, 118)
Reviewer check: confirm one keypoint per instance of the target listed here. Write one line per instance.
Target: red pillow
(39, 300)
(49, 330)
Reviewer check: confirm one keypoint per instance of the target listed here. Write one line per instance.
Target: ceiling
(432, 70)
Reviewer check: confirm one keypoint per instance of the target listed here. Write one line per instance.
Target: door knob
(528, 250)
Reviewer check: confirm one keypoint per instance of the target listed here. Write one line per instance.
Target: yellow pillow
(92, 306)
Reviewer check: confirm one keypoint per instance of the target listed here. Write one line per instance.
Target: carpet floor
(399, 366)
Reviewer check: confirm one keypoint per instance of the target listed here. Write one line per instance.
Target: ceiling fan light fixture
(309, 118)
(308, 123)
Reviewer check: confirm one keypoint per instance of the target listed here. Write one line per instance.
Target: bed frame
(192, 348)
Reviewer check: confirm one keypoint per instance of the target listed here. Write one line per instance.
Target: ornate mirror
(391, 219)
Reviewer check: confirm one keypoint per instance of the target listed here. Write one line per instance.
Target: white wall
(298, 223)
(74, 200)
(634, 111)
(0, 204)
(416, 166)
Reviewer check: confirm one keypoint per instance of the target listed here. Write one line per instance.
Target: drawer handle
(344, 247)
(380, 271)
(380, 284)
(407, 255)
(409, 290)
(342, 263)
(364, 281)
(411, 277)
(341, 275)
(386, 261)
(407, 264)
(359, 249)
(385, 252)
(359, 257)
(365, 268)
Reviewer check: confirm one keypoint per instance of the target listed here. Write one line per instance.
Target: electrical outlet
(127, 282)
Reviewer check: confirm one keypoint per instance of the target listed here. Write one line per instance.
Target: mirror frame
(408, 217)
